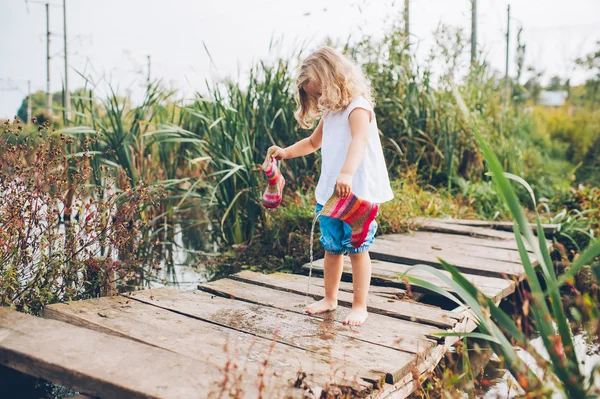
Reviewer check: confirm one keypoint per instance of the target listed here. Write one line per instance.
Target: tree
(555, 84)
(518, 91)
(533, 85)
(38, 105)
(591, 63)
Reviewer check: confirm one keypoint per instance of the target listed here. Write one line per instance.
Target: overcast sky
(110, 39)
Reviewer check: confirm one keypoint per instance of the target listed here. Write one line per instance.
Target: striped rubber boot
(356, 212)
(273, 195)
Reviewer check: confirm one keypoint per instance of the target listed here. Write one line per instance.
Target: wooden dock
(247, 335)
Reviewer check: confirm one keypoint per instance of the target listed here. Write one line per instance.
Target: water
(186, 261)
(499, 383)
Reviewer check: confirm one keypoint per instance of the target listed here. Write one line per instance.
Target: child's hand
(276, 152)
(343, 185)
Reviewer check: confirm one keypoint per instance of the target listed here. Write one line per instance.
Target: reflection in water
(184, 259)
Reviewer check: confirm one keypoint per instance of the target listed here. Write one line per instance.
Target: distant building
(553, 98)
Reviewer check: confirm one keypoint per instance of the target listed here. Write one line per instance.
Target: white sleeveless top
(371, 181)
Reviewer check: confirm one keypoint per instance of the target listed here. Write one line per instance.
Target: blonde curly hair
(341, 81)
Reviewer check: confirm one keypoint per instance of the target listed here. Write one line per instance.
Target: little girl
(332, 88)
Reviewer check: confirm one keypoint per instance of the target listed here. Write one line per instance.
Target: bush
(575, 129)
(57, 242)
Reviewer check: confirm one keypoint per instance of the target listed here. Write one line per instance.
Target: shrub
(57, 242)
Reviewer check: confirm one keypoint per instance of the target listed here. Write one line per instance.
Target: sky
(190, 41)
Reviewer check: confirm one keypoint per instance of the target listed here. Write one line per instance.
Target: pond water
(499, 383)
(185, 262)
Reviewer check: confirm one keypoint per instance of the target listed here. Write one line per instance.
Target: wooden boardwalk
(247, 335)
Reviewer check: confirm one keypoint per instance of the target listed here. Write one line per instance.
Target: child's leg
(361, 280)
(333, 267)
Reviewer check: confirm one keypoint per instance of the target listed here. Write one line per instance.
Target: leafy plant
(546, 306)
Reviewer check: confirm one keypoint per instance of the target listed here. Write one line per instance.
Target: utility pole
(406, 18)
(506, 82)
(48, 93)
(67, 94)
(149, 63)
(473, 31)
(28, 101)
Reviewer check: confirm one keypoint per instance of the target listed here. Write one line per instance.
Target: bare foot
(356, 317)
(322, 306)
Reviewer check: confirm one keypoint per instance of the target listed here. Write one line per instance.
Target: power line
(506, 83)
(48, 93)
(473, 30)
(67, 94)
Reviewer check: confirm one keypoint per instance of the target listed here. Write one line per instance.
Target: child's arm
(302, 148)
(359, 127)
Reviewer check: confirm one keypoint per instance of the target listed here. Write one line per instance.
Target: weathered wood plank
(413, 338)
(388, 272)
(549, 228)
(466, 241)
(403, 309)
(291, 328)
(429, 224)
(379, 290)
(243, 359)
(443, 246)
(99, 364)
(392, 252)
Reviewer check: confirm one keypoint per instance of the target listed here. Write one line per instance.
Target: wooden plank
(402, 309)
(294, 329)
(241, 358)
(495, 288)
(413, 338)
(403, 388)
(467, 241)
(549, 228)
(429, 224)
(384, 291)
(393, 252)
(440, 244)
(99, 364)
(379, 290)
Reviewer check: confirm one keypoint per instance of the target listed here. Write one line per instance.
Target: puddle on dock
(290, 327)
